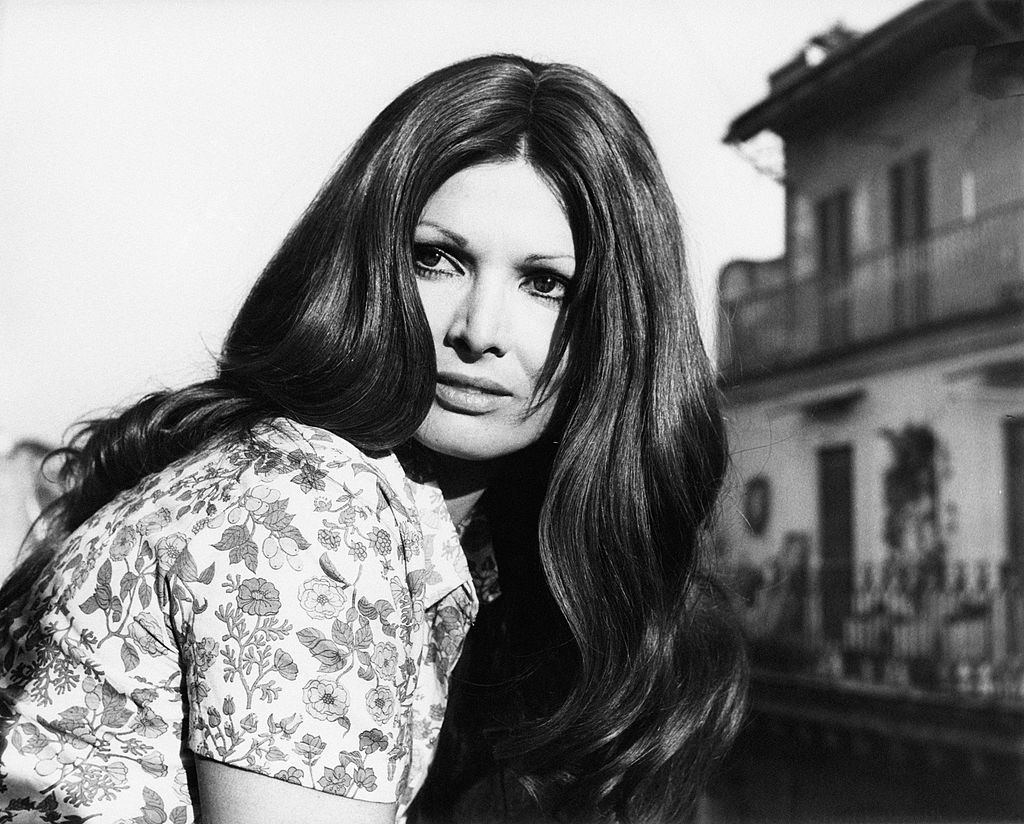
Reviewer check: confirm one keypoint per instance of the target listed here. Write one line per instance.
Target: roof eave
(870, 55)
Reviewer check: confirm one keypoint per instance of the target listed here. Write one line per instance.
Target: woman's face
(494, 255)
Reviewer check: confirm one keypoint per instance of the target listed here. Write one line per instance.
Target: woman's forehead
(503, 202)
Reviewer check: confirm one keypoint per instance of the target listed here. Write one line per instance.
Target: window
(833, 224)
(909, 222)
(908, 200)
(834, 236)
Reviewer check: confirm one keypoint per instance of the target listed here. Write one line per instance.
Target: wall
(775, 438)
(935, 111)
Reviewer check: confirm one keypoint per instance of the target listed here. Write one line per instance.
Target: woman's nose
(480, 324)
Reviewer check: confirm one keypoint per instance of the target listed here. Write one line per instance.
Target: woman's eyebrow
(463, 244)
(454, 237)
(535, 258)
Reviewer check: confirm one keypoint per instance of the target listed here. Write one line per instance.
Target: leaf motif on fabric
(153, 811)
(294, 534)
(330, 570)
(310, 478)
(73, 717)
(129, 657)
(363, 637)
(145, 593)
(285, 665)
(276, 518)
(102, 596)
(114, 714)
(417, 584)
(206, 576)
(185, 568)
(128, 582)
(342, 633)
(325, 651)
(238, 543)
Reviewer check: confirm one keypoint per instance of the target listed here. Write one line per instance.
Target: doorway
(835, 519)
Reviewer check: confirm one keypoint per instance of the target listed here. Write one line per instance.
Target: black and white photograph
(512, 412)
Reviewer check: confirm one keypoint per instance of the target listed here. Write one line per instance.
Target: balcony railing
(961, 271)
(919, 628)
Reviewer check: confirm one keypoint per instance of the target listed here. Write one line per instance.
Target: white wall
(775, 438)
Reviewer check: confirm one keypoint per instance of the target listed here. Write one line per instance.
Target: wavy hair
(607, 516)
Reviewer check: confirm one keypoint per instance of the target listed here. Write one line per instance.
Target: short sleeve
(295, 623)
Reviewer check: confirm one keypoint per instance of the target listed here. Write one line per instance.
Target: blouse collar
(446, 569)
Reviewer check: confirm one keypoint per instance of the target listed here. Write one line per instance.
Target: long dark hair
(332, 333)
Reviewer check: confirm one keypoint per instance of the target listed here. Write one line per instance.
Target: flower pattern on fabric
(305, 600)
(322, 598)
(327, 700)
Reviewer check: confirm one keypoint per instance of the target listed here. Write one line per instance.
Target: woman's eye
(547, 286)
(431, 260)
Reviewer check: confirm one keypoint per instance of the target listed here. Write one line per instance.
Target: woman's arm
(229, 795)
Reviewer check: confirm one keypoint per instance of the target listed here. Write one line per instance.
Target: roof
(861, 69)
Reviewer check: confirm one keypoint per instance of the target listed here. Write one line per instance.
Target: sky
(155, 153)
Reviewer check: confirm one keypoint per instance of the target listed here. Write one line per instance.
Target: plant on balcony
(770, 603)
(912, 526)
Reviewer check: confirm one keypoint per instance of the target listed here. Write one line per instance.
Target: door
(1015, 491)
(835, 519)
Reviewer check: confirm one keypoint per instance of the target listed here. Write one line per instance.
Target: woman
(480, 326)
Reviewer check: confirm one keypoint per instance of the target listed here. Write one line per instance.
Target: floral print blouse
(282, 603)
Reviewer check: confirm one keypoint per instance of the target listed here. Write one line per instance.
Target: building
(874, 387)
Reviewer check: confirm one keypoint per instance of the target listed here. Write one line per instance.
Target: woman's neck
(462, 483)
(460, 506)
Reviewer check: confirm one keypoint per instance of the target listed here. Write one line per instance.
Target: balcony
(917, 693)
(912, 628)
(959, 273)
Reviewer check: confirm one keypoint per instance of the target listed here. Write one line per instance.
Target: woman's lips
(469, 396)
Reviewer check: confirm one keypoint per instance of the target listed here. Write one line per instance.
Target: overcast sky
(155, 152)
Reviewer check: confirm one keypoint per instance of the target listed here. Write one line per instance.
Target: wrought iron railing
(960, 271)
(909, 626)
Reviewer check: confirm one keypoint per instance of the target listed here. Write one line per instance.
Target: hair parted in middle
(344, 270)
(612, 507)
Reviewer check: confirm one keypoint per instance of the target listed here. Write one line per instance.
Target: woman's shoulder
(275, 447)
(277, 501)
(289, 478)
(280, 454)
(292, 444)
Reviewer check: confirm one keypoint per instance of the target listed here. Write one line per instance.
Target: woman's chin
(473, 437)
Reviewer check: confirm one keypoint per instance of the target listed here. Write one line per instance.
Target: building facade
(874, 388)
